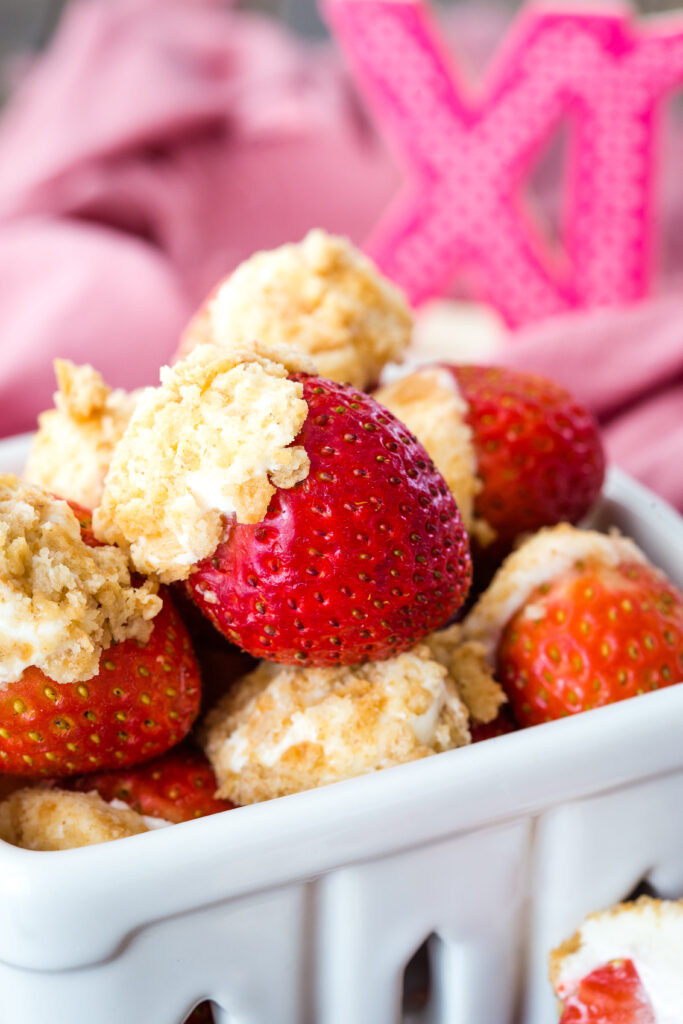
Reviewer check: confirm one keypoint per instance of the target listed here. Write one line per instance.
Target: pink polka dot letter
(466, 159)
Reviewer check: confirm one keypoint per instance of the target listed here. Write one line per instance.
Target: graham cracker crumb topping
(283, 729)
(56, 819)
(213, 440)
(61, 602)
(321, 296)
(72, 450)
(430, 404)
(465, 661)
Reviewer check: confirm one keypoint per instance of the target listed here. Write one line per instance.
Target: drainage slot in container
(417, 985)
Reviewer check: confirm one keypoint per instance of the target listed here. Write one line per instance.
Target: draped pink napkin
(157, 144)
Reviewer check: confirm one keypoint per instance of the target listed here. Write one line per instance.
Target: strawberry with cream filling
(623, 966)
(321, 297)
(518, 451)
(575, 620)
(97, 670)
(310, 526)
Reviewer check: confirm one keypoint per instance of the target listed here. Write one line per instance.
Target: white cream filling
(151, 823)
(541, 559)
(304, 729)
(651, 937)
(35, 636)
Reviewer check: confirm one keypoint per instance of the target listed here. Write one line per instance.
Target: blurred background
(149, 146)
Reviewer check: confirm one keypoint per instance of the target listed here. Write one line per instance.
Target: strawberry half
(142, 701)
(178, 786)
(355, 563)
(613, 994)
(593, 636)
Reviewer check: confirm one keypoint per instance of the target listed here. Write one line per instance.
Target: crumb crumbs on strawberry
(283, 729)
(321, 296)
(72, 449)
(63, 602)
(465, 661)
(431, 405)
(647, 931)
(545, 556)
(54, 819)
(215, 439)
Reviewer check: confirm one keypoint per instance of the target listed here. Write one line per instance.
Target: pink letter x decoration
(466, 160)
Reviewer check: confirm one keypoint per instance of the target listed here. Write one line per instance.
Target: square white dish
(306, 909)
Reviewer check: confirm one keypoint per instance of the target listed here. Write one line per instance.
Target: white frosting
(650, 935)
(541, 559)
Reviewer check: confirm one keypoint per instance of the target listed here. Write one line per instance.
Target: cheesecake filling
(320, 296)
(433, 408)
(62, 602)
(282, 729)
(648, 933)
(213, 441)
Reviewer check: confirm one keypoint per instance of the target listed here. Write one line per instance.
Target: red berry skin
(539, 453)
(142, 701)
(605, 635)
(178, 786)
(613, 994)
(357, 562)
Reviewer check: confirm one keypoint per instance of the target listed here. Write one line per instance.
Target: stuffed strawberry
(575, 620)
(612, 994)
(97, 669)
(310, 525)
(623, 966)
(178, 786)
(517, 450)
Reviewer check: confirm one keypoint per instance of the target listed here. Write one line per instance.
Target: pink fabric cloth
(155, 145)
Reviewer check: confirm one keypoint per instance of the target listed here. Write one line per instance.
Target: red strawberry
(357, 562)
(597, 635)
(178, 786)
(142, 701)
(539, 453)
(613, 994)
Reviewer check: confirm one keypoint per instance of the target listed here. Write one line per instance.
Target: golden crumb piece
(73, 446)
(465, 661)
(55, 819)
(647, 932)
(214, 440)
(283, 729)
(430, 404)
(545, 556)
(61, 602)
(321, 296)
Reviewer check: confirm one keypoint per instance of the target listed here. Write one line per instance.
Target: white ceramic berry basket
(306, 909)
